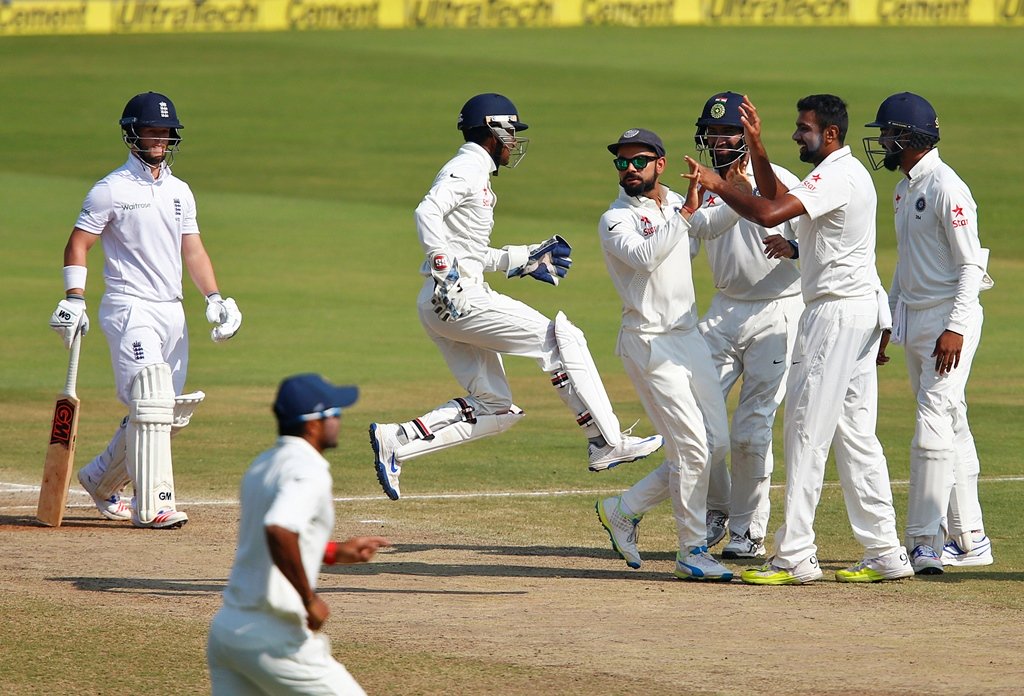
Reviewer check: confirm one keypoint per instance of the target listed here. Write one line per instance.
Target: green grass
(308, 153)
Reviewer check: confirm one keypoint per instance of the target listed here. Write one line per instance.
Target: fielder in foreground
(832, 389)
(264, 639)
(645, 238)
(146, 218)
(937, 318)
(473, 325)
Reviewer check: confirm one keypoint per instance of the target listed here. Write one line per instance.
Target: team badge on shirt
(919, 204)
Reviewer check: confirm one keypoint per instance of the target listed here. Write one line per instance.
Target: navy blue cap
(723, 109)
(907, 110)
(639, 136)
(309, 396)
(150, 109)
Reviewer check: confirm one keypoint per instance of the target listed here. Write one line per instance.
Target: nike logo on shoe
(394, 467)
(776, 362)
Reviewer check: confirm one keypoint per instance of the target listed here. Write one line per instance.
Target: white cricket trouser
(141, 333)
(677, 384)
(943, 459)
(252, 652)
(752, 339)
(832, 399)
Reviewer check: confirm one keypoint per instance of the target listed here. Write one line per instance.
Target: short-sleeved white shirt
(936, 232)
(837, 235)
(140, 222)
(739, 266)
(287, 486)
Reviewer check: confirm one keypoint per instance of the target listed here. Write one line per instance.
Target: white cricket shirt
(936, 233)
(288, 486)
(647, 252)
(739, 266)
(457, 214)
(140, 222)
(837, 235)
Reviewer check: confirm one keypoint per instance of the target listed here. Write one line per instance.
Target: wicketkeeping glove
(225, 314)
(549, 261)
(69, 318)
(449, 300)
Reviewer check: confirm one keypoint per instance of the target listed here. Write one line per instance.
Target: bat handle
(72, 380)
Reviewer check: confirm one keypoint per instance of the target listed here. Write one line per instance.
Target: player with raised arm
(937, 317)
(473, 326)
(146, 218)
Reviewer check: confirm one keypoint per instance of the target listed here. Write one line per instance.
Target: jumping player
(473, 325)
(146, 218)
(938, 318)
(832, 388)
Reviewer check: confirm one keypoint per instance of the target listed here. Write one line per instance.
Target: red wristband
(689, 210)
(331, 553)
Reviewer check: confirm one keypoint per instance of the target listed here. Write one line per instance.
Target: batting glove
(549, 261)
(225, 314)
(69, 318)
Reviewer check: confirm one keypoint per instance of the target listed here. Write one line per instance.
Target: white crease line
(21, 488)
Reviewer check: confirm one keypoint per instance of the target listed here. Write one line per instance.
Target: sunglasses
(639, 162)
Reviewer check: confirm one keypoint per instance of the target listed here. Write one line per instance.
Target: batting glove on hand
(549, 261)
(449, 300)
(225, 314)
(69, 318)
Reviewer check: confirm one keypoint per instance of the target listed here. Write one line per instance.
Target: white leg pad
(150, 416)
(457, 433)
(184, 406)
(111, 462)
(579, 366)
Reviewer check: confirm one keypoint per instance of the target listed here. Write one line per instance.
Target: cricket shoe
(629, 449)
(744, 547)
(166, 518)
(980, 554)
(384, 439)
(623, 529)
(925, 561)
(806, 571)
(891, 566)
(113, 508)
(717, 522)
(701, 565)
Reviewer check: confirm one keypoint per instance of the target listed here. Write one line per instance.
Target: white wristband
(74, 277)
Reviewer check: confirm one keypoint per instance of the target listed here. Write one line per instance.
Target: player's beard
(811, 155)
(892, 160)
(638, 188)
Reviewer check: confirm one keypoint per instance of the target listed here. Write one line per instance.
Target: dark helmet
(152, 110)
(498, 115)
(723, 109)
(913, 122)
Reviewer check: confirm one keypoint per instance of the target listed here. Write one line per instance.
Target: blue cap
(308, 397)
(150, 109)
(909, 111)
(639, 136)
(723, 109)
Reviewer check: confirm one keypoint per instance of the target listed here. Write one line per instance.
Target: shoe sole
(929, 570)
(967, 563)
(791, 580)
(727, 577)
(867, 579)
(607, 527)
(380, 466)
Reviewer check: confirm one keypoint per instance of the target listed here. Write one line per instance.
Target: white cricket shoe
(925, 561)
(629, 449)
(700, 565)
(623, 529)
(744, 547)
(384, 440)
(979, 555)
(166, 518)
(892, 566)
(717, 522)
(114, 508)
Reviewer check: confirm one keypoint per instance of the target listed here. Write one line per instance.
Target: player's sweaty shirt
(648, 259)
(936, 234)
(456, 215)
(837, 235)
(739, 266)
(140, 222)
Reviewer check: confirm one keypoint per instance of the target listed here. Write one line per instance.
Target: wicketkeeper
(473, 325)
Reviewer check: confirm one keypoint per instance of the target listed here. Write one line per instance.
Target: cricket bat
(60, 455)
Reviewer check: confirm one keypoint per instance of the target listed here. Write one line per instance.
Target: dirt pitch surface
(452, 616)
